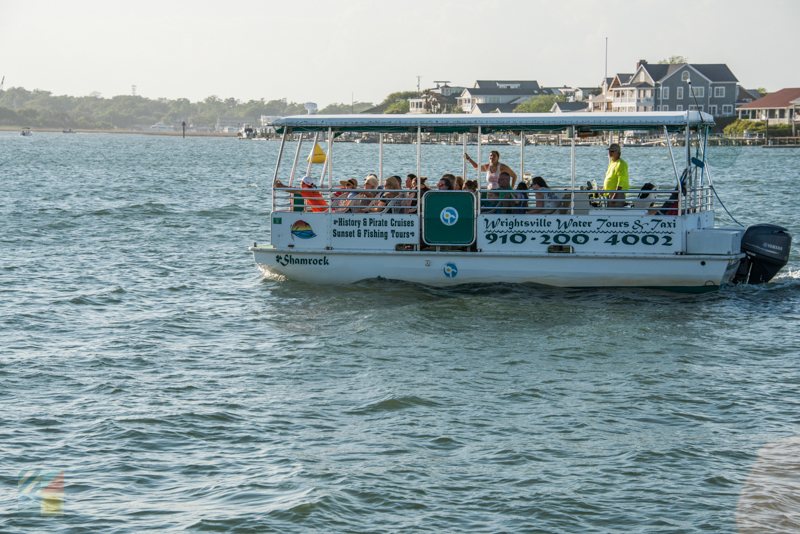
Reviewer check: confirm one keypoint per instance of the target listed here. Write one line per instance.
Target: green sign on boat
(449, 218)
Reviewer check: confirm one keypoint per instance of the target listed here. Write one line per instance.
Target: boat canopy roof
(493, 122)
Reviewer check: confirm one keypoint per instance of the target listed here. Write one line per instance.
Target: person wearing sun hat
(616, 177)
(362, 201)
(341, 197)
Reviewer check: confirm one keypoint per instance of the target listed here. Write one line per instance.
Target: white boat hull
(679, 272)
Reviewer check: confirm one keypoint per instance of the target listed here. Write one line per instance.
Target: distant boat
(247, 132)
(67, 131)
(161, 128)
(26, 132)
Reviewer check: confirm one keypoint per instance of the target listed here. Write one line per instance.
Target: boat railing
(337, 200)
(584, 202)
(508, 202)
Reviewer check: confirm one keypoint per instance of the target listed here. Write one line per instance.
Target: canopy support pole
(329, 158)
(278, 166)
(380, 165)
(672, 156)
(464, 157)
(572, 170)
(311, 158)
(296, 158)
(521, 155)
(419, 157)
(480, 185)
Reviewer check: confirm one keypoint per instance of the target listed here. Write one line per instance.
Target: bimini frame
(520, 123)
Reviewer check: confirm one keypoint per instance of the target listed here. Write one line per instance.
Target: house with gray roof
(570, 107)
(602, 101)
(498, 92)
(677, 87)
(440, 99)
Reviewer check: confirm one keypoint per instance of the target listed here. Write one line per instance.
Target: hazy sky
(324, 51)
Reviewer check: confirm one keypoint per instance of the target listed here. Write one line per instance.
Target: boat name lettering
(288, 259)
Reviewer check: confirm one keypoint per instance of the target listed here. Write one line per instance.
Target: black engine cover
(767, 247)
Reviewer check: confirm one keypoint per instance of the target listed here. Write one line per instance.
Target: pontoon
(657, 239)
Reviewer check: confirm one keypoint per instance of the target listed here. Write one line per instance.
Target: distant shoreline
(141, 132)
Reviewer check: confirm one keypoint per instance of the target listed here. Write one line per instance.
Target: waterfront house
(573, 94)
(440, 99)
(496, 92)
(570, 107)
(603, 101)
(781, 107)
(714, 89)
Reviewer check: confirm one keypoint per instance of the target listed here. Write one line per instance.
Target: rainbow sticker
(302, 230)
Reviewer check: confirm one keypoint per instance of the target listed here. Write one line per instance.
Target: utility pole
(418, 77)
(606, 72)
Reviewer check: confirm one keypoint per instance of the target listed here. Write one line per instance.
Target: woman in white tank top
(493, 169)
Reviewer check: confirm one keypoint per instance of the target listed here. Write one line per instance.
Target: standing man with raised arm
(493, 169)
(616, 177)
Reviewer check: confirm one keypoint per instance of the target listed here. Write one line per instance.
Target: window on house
(666, 93)
(699, 92)
(719, 92)
(664, 108)
(727, 109)
(695, 108)
(685, 75)
(679, 94)
(712, 110)
(678, 108)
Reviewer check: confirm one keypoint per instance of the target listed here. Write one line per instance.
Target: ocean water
(144, 355)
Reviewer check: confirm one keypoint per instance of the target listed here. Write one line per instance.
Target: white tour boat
(26, 132)
(656, 238)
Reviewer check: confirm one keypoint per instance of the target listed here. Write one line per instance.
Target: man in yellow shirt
(616, 177)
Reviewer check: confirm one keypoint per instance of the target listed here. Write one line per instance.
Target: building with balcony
(440, 99)
(713, 89)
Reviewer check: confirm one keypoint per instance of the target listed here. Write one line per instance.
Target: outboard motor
(767, 247)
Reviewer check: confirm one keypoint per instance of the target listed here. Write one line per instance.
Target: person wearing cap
(339, 204)
(313, 198)
(616, 177)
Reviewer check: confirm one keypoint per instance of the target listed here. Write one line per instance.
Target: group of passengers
(500, 197)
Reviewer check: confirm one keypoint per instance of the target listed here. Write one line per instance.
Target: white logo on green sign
(449, 216)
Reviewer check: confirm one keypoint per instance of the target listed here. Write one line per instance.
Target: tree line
(38, 108)
(42, 109)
